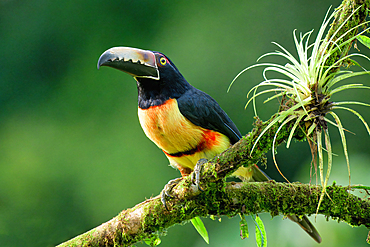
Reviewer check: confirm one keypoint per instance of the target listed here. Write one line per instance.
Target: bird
(186, 123)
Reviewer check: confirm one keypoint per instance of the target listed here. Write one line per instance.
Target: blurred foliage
(72, 153)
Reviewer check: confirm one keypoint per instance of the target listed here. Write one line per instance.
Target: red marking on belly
(210, 139)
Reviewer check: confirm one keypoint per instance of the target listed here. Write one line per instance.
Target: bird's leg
(195, 176)
(167, 190)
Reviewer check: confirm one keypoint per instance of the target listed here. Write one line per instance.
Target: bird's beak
(136, 62)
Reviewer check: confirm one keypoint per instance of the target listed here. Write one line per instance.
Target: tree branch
(220, 198)
(150, 217)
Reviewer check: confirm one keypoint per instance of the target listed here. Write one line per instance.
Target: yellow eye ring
(163, 61)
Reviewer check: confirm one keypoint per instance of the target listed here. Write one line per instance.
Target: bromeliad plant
(311, 81)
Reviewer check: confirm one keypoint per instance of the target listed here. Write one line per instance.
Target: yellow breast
(168, 128)
(174, 134)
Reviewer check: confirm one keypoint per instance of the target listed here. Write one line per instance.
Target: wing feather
(202, 110)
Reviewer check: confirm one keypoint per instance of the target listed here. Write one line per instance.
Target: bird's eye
(163, 61)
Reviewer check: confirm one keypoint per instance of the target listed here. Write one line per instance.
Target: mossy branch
(150, 218)
(347, 10)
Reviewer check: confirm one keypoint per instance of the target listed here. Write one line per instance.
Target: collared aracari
(186, 123)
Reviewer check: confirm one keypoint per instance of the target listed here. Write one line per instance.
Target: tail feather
(306, 225)
(258, 175)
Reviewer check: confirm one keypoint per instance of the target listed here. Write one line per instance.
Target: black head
(157, 77)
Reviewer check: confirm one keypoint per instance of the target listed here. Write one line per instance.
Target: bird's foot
(195, 176)
(166, 192)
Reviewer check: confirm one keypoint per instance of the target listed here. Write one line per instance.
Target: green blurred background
(72, 152)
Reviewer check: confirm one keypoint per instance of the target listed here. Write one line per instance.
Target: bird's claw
(167, 190)
(195, 176)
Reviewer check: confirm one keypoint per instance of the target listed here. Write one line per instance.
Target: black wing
(202, 110)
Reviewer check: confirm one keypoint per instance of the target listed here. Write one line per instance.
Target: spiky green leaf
(261, 238)
(201, 229)
(364, 40)
(344, 142)
(357, 114)
(321, 158)
(293, 130)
